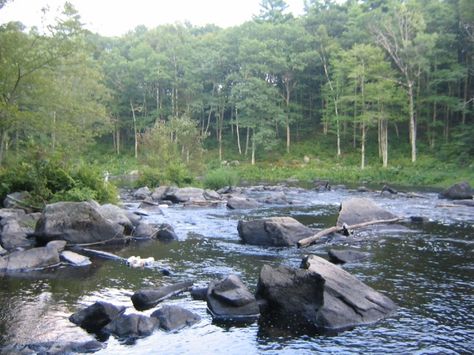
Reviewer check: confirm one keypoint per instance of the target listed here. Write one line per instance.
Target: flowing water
(426, 268)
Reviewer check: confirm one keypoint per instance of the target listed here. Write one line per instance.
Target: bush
(150, 177)
(216, 179)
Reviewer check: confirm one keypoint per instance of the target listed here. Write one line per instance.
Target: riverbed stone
(360, 210)
(117, 215)
(185, 194)
(159, 193)
(347, 300)
(142, 193)
(17, 200)
(54, 348)
(31, 259)
(149, 298)
(292, 294)
(75, 259)
(211, 195)
(273, 231)
(230, 300)
(172, 318)
(241, 202)
(77, 223)
(15, 226)
(459, 191)
(96, 316)
(343, 256)
(132, 326)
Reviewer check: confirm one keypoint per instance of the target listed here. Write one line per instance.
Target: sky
(117, 17)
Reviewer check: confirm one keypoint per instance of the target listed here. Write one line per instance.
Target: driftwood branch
(310, 240)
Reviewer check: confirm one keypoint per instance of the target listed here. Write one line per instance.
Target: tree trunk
(219, 132)
(247, 141)
(237, 130)
(134, 130)
(3, 143)
(253, 148)
(362, 146)
(53, 132)
(384, 141)
(287, 102)
(412, 120)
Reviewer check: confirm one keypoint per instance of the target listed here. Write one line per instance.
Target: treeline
(355, 71)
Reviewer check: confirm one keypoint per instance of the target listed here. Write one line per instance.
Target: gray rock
(199, 293)
(166, 232)
(185, 194)
(59, 245)
(347, 301)
(346, 256)
(32, 259)
(15, 227)
(468, 203)
(145, 231)
(149, 298)
(277, 198)
(117, 215)
(174, 317)
(273, 231)
(240, 202)
(77, 223)
(75, 259)
(460, 191)
(211, 195)
(150, 206)
(230, 300)
(17, 200)
(159, 193)
(96, 316)
(2, 251)
(360, 210)
(142, 193)
(132, 325)
(295, 295)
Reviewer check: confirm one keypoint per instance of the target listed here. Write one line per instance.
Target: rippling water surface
(426, 268)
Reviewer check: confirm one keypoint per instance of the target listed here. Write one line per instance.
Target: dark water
(426, 268)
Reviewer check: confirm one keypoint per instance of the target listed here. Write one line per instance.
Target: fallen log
(337, 229)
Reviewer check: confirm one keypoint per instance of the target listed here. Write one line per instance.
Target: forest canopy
(392, 75)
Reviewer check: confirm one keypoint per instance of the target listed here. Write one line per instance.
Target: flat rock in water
(360, 210)
(460, 191)
(31, 259)
(146, 299)
(185, 194)
(273, 231)
(347, 301)
(240, 202)
(174, 317)
(75, 259)
(132, 325)
(230, 300)
(96, 316)
(346, 256)
(54, 348)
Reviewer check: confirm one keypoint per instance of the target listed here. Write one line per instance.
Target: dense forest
(377, 77)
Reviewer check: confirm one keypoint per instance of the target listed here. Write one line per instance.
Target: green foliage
(222, 177)
(150, 177)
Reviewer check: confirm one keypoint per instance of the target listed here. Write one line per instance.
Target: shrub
(216, 179)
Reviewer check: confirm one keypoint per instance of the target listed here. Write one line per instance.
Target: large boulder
(460, 191)
(295, 295)
(149, 298)
(162, 231)
(230, 300)
(347, 300)
(360, 210)
(142, 193)
(241, 202)
(96, 316)
(117, 215)
(15, 226)
(31, 259)
(17, 200)
(77, 223)
(174, 317)
(273, 231)
(131, 326)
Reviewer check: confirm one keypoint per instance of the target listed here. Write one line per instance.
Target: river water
(426, 268)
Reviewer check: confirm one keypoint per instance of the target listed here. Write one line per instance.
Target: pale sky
(116, 17)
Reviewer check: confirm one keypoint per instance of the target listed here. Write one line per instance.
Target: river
(426, 268)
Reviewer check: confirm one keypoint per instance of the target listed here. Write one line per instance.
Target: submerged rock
(347, 300)
(230, 300)
(273, 231)
(131, 326)
(174, 317)
(360, 210)
(460, 191)
(96, 316)
(77, 223)
(346, 256)
(75, 259)
(54, 348)
(149, 298)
